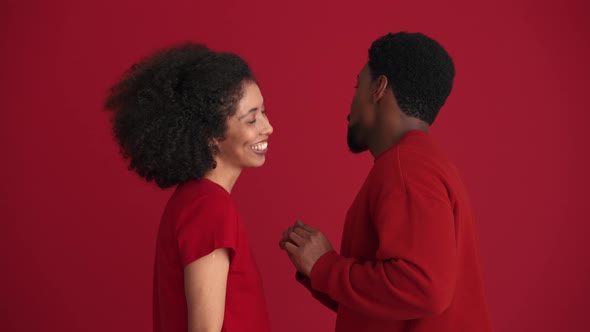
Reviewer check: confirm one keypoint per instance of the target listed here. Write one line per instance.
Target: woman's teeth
(260, 146)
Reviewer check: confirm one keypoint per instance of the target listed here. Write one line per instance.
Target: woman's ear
(214, 146)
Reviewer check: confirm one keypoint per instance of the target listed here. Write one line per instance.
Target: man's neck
(390, 138)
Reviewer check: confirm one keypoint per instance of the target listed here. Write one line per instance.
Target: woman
(192, 117)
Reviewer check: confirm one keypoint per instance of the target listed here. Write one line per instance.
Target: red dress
(199, 218)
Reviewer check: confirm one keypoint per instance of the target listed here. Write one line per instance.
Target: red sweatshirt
(409, 257)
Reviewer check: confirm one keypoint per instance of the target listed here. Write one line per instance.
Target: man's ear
(380, 86)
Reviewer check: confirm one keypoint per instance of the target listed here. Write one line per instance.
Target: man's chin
(356, 148)
(353, 142)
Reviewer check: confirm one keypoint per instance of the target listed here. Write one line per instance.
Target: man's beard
(353, 140)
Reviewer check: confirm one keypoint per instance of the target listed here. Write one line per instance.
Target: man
(409, 255)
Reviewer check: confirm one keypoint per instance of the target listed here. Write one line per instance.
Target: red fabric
(199, 218)
(409, 258)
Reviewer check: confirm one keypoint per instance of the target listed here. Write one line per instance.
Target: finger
(291, 248)
(289, 230)
(297, 239)
(282, 244)
(286, 234)
(301, 224)
(301, 232)
(309, 228)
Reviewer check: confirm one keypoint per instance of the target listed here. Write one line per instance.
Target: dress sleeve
(210, 223)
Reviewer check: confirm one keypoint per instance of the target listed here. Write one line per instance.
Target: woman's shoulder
(201, 194)
(202, 187)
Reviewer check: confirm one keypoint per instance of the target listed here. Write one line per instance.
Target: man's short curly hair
(168, 109)
(418, 69)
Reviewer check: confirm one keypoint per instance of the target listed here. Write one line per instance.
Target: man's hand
(304, 245)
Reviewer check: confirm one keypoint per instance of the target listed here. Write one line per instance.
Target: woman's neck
(224, 176)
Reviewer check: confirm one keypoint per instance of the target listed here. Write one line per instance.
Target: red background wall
(77, 229)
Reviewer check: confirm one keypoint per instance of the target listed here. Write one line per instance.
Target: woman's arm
(205, 282)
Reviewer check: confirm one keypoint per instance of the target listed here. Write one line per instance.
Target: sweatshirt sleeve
(323, 298)
(414, 273)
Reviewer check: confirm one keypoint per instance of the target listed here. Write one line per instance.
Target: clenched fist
(304, 245)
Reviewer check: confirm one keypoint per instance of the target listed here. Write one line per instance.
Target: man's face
(360, 119)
